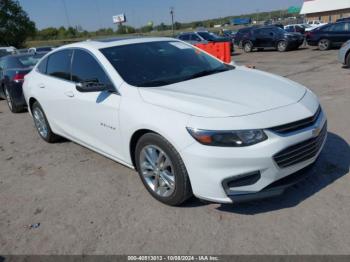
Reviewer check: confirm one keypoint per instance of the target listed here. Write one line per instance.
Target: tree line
(16, 27)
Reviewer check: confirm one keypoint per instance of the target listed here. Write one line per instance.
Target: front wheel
(162, 170)
(248, 47)
(324, 44)
(282, 46)
(42, 125)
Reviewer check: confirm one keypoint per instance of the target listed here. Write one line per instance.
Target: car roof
(110, 42)
(22, 55)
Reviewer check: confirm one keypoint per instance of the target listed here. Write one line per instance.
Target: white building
(326, 10)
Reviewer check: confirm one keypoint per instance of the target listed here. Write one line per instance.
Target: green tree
(15, 25)
(125, 29)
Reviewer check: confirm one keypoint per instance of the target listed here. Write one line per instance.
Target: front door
(93, 117)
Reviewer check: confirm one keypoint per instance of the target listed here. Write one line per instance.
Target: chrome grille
(300, 124)
(302, 151)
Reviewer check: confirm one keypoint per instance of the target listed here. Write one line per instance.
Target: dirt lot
(87, 204)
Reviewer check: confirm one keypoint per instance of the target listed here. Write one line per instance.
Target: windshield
(30, 60)
(207, 36)
(280, 30)
(161, 63)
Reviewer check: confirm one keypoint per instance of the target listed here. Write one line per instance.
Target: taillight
(18, 77)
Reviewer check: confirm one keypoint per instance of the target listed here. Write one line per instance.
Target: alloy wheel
(157, 170)
(8, 99)
(40, 122)
(282, 46)
(323, 44)
(247, 47)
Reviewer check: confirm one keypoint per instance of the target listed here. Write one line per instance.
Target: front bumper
(277, 188)
(209, 167)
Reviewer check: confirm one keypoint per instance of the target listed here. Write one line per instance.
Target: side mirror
(86, 87)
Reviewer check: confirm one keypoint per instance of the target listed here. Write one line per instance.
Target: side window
(85, 68)
(195, 37)
(337, 27)
(185, 37)
(42, 66)
(12, 62)
(347, 27)
(59, 63)
(2, 64)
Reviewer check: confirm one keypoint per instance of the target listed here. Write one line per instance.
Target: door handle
(41, 85)
(69, 94)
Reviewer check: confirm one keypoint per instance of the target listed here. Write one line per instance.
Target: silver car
(344, 54)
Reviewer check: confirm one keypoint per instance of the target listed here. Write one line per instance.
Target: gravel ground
(88, 204)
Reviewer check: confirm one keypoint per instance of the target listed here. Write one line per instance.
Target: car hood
(237, 92)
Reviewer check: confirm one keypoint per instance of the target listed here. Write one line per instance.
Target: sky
(95, 14)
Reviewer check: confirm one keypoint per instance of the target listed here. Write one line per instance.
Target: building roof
(316, 6)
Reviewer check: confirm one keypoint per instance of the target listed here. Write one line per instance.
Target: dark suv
(270, 37)
(203, 37)
(330, 35)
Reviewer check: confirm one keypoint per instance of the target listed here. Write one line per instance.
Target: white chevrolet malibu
(187, 122)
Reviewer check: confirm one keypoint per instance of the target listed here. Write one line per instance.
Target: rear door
(53, 87)
(346, 33)
(338, 33)
(265, 37)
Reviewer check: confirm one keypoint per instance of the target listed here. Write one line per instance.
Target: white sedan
(187, 122)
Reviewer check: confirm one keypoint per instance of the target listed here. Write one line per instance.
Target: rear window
(29, 60)
(59, 64)
(42, 66)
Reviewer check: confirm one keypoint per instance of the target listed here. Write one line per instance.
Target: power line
(66, 12)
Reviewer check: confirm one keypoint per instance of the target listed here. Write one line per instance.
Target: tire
(162, 170)
(347, 60)
(282, 46)
(248, 47)
(14, 108)
(324, 44)
(42, 125)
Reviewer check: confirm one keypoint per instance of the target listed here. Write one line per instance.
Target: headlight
(237, 138)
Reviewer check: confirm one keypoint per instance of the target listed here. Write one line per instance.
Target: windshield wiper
(208, 72)
(154, 83)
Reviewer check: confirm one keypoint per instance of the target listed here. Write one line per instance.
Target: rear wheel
(14, 108)
(282, 46)
(324, 44)
(347, 60)
(248, 47)
(42, 125)
(162, 170)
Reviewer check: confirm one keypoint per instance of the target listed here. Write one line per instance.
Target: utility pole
(172, 19)
(66, 12)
